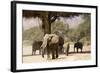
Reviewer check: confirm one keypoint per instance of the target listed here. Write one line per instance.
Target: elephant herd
(53, 44)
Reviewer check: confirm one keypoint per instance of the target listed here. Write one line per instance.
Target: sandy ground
(29, 58)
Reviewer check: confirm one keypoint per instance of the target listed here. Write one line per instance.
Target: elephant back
(36, 45)
(61, 40)
(54, 39)
(78, 45)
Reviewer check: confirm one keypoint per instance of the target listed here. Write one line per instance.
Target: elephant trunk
(43, 53)
(43, 50)
(43, 46)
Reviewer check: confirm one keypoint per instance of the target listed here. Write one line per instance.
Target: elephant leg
(67, 51)
(53, 53)
(57, 53)
(43, 53)
(77, 50)
(74, 50)
(81, 50)
(32, 51)
(48, 53)
(62, 50)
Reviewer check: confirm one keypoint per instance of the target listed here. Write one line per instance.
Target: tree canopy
(48, 17)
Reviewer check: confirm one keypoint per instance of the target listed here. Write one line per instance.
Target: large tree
(47, 17)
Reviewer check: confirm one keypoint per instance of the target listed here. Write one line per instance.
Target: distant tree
(83, 30)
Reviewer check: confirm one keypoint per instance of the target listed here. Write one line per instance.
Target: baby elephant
(78, 45)
(36, 46)
(66, 48)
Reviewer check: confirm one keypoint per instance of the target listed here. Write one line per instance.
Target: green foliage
(85, 28)
(58, 26)
(34, 33)
(82, 32)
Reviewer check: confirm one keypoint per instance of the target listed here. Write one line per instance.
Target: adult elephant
(36, 46)
(51, 42)
(78, 45)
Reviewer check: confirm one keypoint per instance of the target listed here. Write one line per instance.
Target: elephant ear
(45, 39)
(55, 38)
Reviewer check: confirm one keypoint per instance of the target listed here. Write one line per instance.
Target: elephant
(51, 43)
(78, 45)
(66, 48)
(36, 46)
(61, 43)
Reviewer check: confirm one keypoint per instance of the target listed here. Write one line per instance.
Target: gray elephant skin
(78, 45)
(36, 46)
(51, 43)
(61, 43)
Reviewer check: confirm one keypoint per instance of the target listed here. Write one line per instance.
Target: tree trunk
(47, 27)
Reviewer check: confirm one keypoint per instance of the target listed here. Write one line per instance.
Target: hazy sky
(73, 22)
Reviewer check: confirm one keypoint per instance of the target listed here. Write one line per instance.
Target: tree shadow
(83, 52)
(30, 55)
